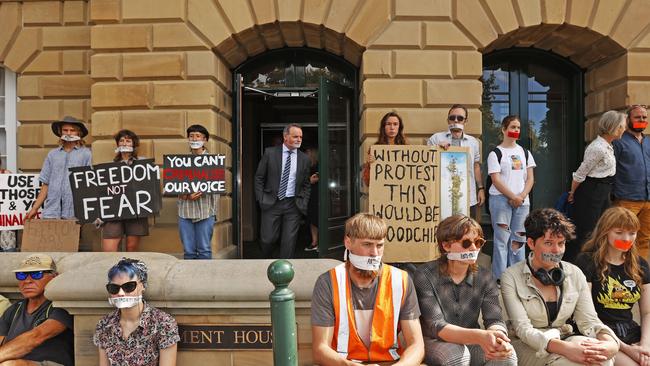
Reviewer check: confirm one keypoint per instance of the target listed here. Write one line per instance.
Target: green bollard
(283, 314)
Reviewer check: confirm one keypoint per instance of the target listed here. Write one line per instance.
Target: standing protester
(112, 231)
(592, 182)
(136, 333)
(282, 189)
(510, 167)
(32, 329)
(632, 179)
(391, 132)
(452, 290)
(7, 237)
(197, 212)
(619, 278)
(457, 117)
(56, 193)
(543, 294)
(359, 307)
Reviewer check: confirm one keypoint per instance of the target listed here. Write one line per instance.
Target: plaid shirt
(443, 302)
(200, 209)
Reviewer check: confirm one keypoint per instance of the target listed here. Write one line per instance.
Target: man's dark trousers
(282, 216)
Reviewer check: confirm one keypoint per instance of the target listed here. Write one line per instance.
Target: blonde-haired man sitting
(359, 306)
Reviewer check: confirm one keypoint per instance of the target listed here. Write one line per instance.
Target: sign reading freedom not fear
(184, 174)
(116, 191)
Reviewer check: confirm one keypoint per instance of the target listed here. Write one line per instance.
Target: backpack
(488, 182)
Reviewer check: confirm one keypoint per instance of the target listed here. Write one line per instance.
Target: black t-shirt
(16, 321)
(615, 298)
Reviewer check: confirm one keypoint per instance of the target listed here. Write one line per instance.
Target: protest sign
(407, 189)
(50, 236)
(116, 191)
(17, 195)
(183, 174)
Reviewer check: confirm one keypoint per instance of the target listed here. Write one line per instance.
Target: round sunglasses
(35, 275)
(456, 117)
(478, 242)
(114, 288)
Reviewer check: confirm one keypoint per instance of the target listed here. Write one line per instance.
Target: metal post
(283, 314)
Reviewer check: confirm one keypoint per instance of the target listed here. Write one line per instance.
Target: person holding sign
(452, 290)
(510, 167)
(619, 278)
(544, 294)
(197, 211)
(391, 132)
(359, 307)
(32, 331)
(56, 193)
(457, 117)
(135, 333)
(112, 231)
(282, 189)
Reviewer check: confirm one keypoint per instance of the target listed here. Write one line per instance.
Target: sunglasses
(478, 242)
(114, 288)
(36, 275)
(456, 117)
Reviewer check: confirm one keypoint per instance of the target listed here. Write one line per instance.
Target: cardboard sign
(51, 236)
(116, 191)
(405, 190)
(225, 337)
(17, 195)
(185, 174)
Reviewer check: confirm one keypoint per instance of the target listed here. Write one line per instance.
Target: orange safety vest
(384, 344)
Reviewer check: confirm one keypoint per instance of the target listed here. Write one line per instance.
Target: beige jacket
(4, 304)
(527, 310)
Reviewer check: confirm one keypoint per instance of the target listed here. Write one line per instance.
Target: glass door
(335, 113)
(547, 96)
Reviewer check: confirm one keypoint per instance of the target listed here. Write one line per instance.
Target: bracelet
(479, 188)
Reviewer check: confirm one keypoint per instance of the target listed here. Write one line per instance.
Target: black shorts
(131, 227)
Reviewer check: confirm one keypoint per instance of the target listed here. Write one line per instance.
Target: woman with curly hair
(619, 278)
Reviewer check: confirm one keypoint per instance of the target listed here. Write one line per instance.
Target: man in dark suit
(282, 191)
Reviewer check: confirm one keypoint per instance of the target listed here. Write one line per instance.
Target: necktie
(282, 192)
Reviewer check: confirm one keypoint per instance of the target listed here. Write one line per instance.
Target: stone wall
(218, 292)
(156, 66)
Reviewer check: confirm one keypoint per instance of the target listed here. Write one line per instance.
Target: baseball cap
(36, 262)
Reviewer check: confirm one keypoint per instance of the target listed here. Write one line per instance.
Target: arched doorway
(545, 90)
(317, 90)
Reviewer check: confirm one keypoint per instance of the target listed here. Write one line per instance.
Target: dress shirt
(59, 203)
(632, 179)
(291, 184)
(599, 161)
(474, 151)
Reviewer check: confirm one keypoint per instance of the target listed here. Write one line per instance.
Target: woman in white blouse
(592, 182)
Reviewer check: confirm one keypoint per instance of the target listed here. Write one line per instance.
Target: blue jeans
(509, 233)
(196, 237)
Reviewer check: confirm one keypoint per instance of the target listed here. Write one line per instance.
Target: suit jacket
(269, 172)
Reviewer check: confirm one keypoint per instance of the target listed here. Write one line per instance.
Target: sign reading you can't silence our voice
(184, 174)
(116, 191)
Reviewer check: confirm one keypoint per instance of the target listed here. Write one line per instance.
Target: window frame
(10, 124)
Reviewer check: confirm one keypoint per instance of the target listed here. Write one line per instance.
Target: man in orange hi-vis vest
(359, 307)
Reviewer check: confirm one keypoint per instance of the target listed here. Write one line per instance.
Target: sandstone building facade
(157, 66)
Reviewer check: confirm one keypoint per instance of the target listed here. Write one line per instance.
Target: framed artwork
(454, 182)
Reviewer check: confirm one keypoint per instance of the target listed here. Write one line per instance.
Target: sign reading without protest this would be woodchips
(412, 188)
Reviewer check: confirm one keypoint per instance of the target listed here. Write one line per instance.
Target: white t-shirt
(512, 171)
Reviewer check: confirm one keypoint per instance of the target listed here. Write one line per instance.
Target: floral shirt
(157, 330)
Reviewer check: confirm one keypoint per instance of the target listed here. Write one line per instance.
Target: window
(8, 119)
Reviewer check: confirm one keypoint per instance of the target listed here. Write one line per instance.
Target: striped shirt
(201, 209)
